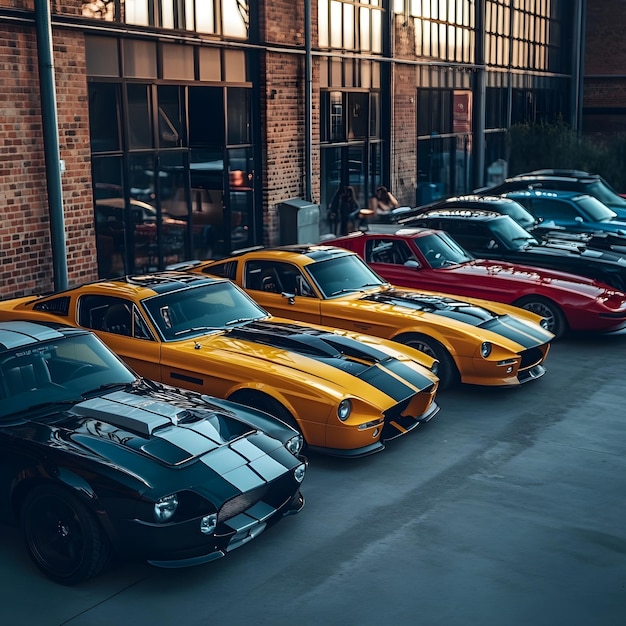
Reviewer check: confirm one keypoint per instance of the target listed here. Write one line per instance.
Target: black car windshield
(594, 209)
(201, 309)
(603, 192)
(517, 212)
(510, 234)
(440, 250)
(344, 274)
(59, 371)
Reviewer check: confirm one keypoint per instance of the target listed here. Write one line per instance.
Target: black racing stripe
(340, 352)
(509, 327)
(415, 378)
(534, 330)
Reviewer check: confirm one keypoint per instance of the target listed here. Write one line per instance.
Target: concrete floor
(507, 509)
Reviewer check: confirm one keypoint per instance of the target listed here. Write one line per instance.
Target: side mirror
(291, 297)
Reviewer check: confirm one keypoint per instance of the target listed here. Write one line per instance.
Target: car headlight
(434, 368)
(294, 445)
(164, 508)
(544, 323)
(344, 409)
(299, 472)
(208, 524)
(485, 349)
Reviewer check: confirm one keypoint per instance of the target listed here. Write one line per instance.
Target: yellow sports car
(477, 341)
(347, 393)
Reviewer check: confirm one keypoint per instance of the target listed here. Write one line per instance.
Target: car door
(282, 289)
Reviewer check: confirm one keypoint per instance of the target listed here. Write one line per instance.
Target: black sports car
(491, 235)
(96, 460)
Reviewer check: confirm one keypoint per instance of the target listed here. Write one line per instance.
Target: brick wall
(25, 245)
(605, 66)
(283, 100)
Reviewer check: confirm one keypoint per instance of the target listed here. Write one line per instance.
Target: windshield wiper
(196, 329)
(106, 387)
(353, 289)
(240, 320)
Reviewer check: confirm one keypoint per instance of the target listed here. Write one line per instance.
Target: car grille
(530, 358)
(274, 494)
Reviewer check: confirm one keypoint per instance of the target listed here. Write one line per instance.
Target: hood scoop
(137, 414)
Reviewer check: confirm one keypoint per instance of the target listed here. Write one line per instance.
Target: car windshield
(511, 234)
(440, 249)
(596, 210)
(603, 192)
(518, 213)
(343, 274)
(196, 310)
(59, 371)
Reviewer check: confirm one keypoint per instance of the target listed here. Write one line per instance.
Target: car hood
(496, 320)
(315, 354)
(501, 270)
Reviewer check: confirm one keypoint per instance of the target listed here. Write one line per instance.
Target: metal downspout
(51, 143)
(308, 105)
(480, 87)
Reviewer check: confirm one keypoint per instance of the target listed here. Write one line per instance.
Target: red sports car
(430, 259)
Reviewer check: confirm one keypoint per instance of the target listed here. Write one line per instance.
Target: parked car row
(166, 415)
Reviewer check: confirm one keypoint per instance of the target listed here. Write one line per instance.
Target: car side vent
(60, 306)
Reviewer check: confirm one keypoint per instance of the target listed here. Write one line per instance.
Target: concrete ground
(507, 509)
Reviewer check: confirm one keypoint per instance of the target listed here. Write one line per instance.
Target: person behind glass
(383, 202)
(344, 210)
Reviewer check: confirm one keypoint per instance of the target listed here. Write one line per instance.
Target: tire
(447, 371)
(63, 537)
(557, 324)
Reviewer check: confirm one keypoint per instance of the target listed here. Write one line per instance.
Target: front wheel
(62, 535)
(555, 320)
(446, 371)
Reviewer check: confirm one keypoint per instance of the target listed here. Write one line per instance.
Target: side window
(112, 315)
(225, 270)
(262, 276)
(553, 209)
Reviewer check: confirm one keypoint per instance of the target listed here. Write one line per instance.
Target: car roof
(312, 252)
(478, 215)
(20, 334)
(562, 194)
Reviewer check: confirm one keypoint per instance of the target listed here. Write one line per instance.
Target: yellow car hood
(502, 324)
(315, 357)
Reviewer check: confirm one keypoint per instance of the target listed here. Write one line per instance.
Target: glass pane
(235, 66)
(336, 40)
(102, 56)
(364, 27)
(207, 202)
(167, 13)
(235, 18)
(110, 216)
(170, 117)
(104, 127)
(136, 12)
(209, 60)
(330, 182)
(241, 197)
(358, 104)
(178, 62)
(205, 18)
(238, 115)
(206, 117)
(139, 117)
(140, 59)
(175, 208)
(356, 174)
(141, 215)
(337, 132)
(322, 23)
(348, 26)
(374, 115)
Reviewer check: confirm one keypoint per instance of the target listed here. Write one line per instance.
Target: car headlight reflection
(344, 409)
(485, 349)
(208, 524)
(164, 508)
(294, 445)
(544, 323)
(299, 472)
